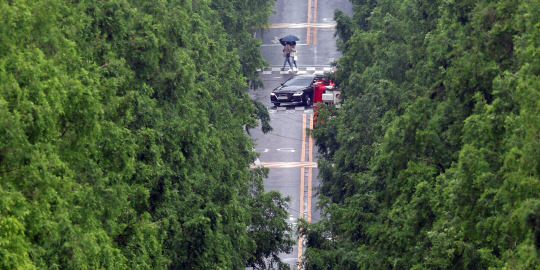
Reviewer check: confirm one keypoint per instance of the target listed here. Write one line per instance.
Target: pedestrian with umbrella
(287, 49)
(287, 55)
(293, 55)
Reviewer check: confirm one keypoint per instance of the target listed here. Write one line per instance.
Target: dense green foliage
(433, 160)
(122, 136)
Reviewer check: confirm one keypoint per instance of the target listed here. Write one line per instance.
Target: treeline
(123, 136)
(433, 160)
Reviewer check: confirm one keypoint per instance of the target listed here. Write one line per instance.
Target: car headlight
(272, 94)
(298, 93)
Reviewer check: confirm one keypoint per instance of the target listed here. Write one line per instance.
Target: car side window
(299, 82)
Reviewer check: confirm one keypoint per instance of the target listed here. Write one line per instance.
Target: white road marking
(276, 45)
(303, 25)
(304, 164)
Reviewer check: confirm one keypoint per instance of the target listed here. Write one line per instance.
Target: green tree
(424, 164)
(122, 136)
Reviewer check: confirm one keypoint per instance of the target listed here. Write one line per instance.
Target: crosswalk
(301, 70)
(291, 109)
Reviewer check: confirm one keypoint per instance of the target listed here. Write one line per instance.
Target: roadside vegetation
(433, 160)
(123, 136)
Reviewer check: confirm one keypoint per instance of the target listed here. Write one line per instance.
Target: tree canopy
(123, 138)
(433, 160)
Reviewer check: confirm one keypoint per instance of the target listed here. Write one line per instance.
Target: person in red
(318, 91)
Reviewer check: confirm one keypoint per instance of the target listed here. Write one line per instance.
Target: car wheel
(307, 100)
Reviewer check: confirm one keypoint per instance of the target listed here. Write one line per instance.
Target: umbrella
(289, 38)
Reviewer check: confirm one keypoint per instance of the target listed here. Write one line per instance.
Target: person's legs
(287, 60)
(290, 64)
(295, 66)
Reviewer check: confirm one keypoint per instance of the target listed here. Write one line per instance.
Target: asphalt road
(288, 150)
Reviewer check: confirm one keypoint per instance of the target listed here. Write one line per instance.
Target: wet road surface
(288, 150)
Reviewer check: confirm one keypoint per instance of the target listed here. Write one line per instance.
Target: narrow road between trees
(288, 150)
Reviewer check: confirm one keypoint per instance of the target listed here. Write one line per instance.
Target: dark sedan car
(296, 90)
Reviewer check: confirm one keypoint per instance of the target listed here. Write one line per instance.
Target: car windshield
(299, 81)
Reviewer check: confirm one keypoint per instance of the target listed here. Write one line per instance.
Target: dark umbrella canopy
(289, 38)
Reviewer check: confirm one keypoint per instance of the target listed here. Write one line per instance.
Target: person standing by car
(293, 55)
(287, 55)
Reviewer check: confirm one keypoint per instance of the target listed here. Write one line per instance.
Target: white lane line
(303, 25)
(289, 150)
(302, 164)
